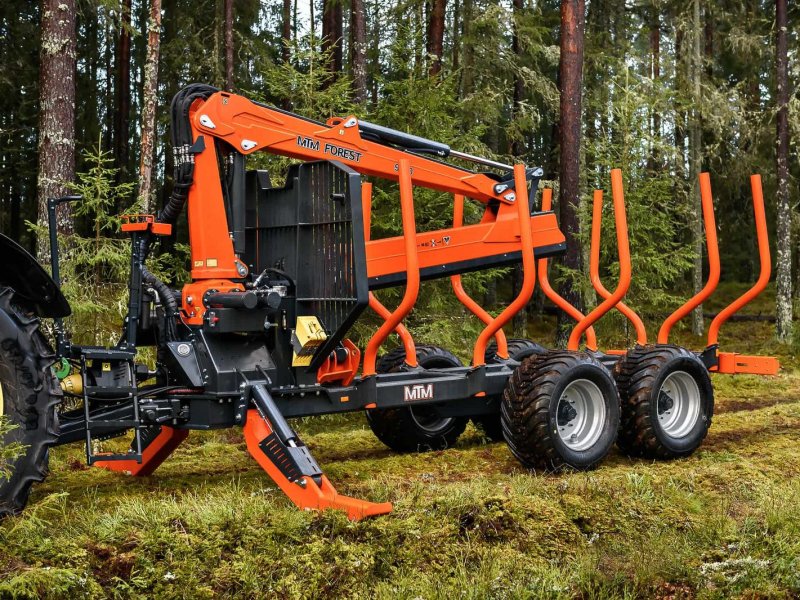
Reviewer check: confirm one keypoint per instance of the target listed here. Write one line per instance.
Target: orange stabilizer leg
(305, 493)
(156, 453)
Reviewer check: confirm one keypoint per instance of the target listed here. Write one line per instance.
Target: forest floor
(468, 522)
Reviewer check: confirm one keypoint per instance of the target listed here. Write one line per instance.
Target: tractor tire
(667, 402)
(518, 349)
(420, 428)
(29, 396)
(560, 410)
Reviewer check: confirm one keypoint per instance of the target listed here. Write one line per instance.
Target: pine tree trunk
(520, 321)
(56, 114)
(783, 298)
(228, 45)
(467, 76)
(122, 98)
(286, 31)
(570, 78)
(436, 35)
(456, 34)
(150, 104)
(358, 50)
(655, 74)
(696, 164)
(332, 35)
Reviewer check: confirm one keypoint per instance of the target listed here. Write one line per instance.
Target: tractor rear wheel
(419, 428)
(667, 402)
(518, 349)
(559, 410)
(29, 395)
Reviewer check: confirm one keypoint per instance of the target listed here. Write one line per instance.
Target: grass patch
(468, 522)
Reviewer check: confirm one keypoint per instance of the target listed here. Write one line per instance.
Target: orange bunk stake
(156, 453)
(458, 289)
(712, 248)
(594, 272)
(528, 269)
(374, 303)
(544, 282)
(624, 283)
(412, 272)
(731, 362)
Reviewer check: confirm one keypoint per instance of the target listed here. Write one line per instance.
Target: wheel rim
(581, 414)
(429, 420)
(678, 404)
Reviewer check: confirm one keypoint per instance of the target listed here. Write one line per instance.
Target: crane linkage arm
(251, 127)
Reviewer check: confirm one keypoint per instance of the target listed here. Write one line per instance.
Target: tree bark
(332, 34)
(520, 321)
(122, 96)
(56, 114)
(436, 35)
(228, 45)
(455, 34)
(467, 76)
(358, 50)
(655, 74)
(150, 104)
(286, 31)
(570, 78)
(696, 164)
(783, 278)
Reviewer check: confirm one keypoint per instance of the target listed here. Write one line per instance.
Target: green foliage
(95, 268)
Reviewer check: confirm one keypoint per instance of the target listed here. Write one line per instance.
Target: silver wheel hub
(429, 420)
(678, 404)
(581, 414)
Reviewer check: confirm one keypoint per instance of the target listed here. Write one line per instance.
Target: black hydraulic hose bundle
(182, 142)
(181, 137)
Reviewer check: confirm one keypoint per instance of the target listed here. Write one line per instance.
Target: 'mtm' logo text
(411, 393)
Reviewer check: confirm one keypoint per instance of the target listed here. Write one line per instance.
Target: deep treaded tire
(30, 395)
(518, 349)
(546, 397)
(667, 402)
(421, 428)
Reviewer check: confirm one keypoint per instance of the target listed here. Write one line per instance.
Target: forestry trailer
(279, 276)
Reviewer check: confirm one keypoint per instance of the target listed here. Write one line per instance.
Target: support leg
(153, 455)
(279, 451)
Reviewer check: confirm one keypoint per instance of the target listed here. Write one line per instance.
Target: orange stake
(712, 247)
(412, 270)
(624, 265)
(528, 269)
(544, 281)
(594, 270)
(455, 280)
(374, 303)
(766, 264)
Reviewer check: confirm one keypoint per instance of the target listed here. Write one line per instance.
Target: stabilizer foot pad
(309, 495)
(156, 453)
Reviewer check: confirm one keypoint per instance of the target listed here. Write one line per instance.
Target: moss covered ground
(467, 522)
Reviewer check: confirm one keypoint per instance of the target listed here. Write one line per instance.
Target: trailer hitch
(287, 460)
